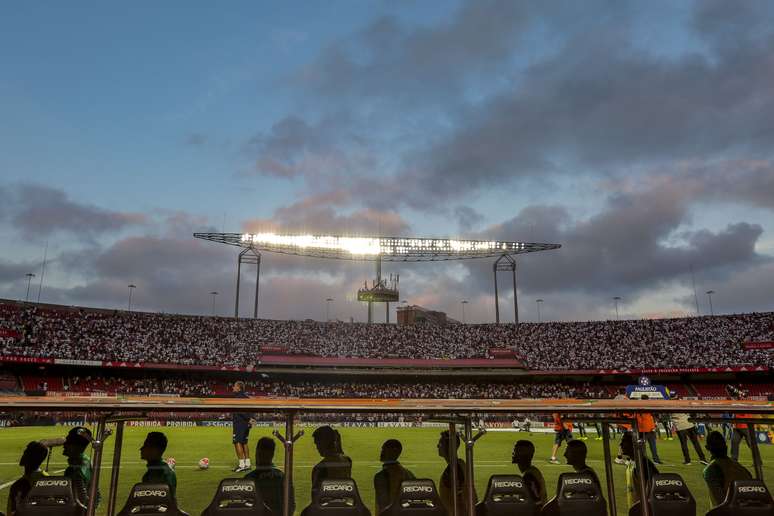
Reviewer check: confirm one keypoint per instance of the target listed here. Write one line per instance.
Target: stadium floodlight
(375, 248)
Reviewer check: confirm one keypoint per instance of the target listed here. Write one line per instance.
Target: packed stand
(186, 386)
(216, 341)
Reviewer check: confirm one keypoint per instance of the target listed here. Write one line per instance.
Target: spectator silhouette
(722, 470)
(334, 464)
(387, 480)
(523, 453)
(32, 457)
(446, 491)
(576, 457)
(158, 471)
(268, 478)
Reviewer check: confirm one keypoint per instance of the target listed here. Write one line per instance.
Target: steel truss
(393, 249)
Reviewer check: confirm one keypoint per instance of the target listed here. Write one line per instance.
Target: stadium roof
(396, 249)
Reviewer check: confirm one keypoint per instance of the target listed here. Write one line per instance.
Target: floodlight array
(375, 248)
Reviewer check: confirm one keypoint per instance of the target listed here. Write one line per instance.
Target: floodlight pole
(29, 279)
(505, 263)
(248, 255)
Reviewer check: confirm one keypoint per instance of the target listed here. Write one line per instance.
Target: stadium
(367, 258)
(374, 382)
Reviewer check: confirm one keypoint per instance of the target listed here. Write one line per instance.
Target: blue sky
(637, 135)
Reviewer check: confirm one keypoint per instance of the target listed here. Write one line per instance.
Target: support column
(287, 441)
(470, 441)
(497, 299)
(515, 296)
(96, 464)
(387, 316)
(239, 277)
(639, 458)
(608, 468)
(112, 495)
(251, 256)
(258, 284)
(452, 451)
(505, 263)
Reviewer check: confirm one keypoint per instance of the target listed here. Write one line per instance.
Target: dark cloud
(634, 244)
(467, 218)
(603, 105)
(394, 62)
(322, 152)
(41, 210)
(15, 271)
(316, 215)
(596, 103)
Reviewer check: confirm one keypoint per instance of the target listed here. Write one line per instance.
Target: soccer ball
(171, 462)
(204, 463)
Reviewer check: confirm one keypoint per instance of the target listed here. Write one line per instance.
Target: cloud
(592, 102)
(636, 242)
(467, 218)
(321, 152)
(393, 62)
(14, 271)
(316, 215)
(42, 210)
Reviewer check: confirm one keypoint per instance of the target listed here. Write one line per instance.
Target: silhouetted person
(387, 481)
(158, 471)
(78, 463)
(334, 464)
(268, 478)
(562, 433)
(722, 470)
(687, 430)
(34, 455)
(523, 452)
(632, 474)
(446, 490)
(240, 422)
(576, 457)
(646, 425)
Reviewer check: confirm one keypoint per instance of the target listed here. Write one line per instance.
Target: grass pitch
(196, 487)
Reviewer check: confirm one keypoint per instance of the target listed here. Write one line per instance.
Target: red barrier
(758, 345)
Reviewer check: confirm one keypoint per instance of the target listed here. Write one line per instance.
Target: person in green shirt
(387, 480)
(722, 470)
(34, 455)
(158, 472)
(269, 479)
(523, 453)
(78, 463)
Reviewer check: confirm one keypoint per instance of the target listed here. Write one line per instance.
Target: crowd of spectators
(189, 386)
(193, 340)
